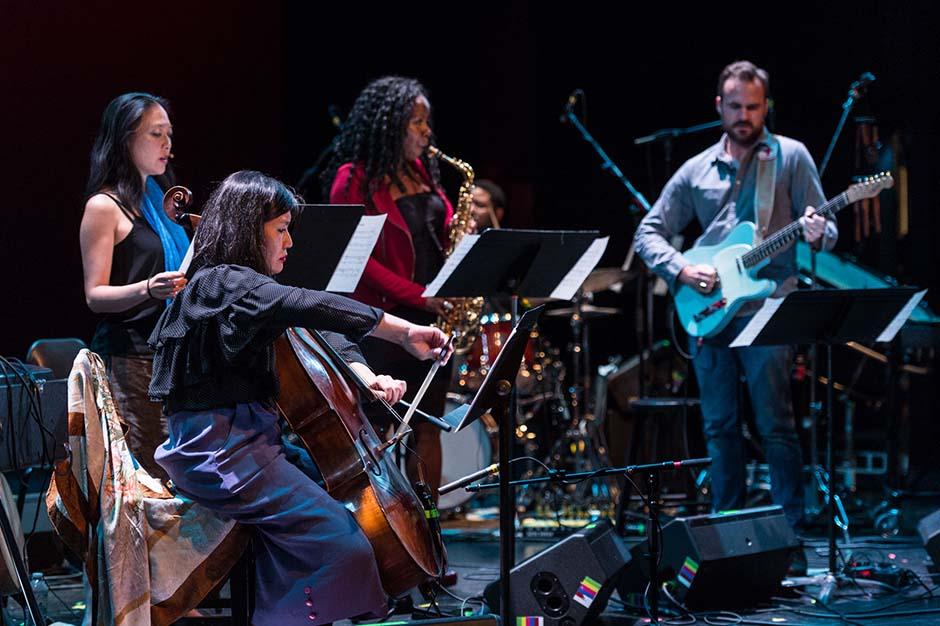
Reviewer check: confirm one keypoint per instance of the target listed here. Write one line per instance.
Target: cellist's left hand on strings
(427, 342)
(383, 386)
(390, 389)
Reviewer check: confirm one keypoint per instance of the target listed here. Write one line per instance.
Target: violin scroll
(175, 202)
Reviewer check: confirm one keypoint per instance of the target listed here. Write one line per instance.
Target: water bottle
(41, 591)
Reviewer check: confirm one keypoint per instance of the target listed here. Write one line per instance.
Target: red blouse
(388, 278)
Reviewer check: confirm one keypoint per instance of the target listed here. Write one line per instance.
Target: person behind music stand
(381, 161)
(489, 204)
(718, 188)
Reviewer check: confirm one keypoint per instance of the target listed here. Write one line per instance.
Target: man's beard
(747, 141)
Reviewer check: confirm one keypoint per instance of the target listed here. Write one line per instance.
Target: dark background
(249, 85)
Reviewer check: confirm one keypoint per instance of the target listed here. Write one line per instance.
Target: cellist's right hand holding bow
(427, 342)
(422, 342)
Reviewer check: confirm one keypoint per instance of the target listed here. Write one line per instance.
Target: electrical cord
(463, 601)
(842, 616)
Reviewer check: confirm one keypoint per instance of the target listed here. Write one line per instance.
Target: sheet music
(463, 249)
(353, 261)
(188, 259)
(892, 329)
(576, 275)
(757, 323)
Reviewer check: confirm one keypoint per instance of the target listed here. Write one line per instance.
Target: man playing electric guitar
(769, 180)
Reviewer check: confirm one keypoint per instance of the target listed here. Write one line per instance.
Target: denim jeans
(767, 370)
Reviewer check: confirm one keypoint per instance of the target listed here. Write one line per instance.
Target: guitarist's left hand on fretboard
(814, 227)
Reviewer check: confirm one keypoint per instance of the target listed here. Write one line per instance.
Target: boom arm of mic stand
(856, 90)
(672, 133)
(607, 164)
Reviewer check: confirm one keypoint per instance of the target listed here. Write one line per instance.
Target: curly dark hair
(111, 164)
(232, 227)
(374, 133)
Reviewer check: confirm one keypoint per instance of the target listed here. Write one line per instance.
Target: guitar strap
(764, 189)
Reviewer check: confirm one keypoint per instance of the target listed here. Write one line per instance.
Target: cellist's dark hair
(373, 135)
(111, 165)
(232, 227)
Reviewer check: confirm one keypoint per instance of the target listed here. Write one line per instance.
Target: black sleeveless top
(136, 257)
(424, 213)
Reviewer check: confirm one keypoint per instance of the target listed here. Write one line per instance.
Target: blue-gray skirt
(314, 565)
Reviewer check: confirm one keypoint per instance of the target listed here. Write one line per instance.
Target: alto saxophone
(462, 316)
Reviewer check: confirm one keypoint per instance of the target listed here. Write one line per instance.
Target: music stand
(494, 395)
(332, 243)
(829, 317)
(530, 263)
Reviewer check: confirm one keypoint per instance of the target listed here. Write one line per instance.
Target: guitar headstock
(869, 186)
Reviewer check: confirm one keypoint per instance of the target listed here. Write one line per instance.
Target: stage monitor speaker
(929, 531)
(469, 620)
(728, 559)
(569, 582)
(28, 438)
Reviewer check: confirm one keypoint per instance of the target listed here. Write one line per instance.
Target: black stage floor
(473, 554)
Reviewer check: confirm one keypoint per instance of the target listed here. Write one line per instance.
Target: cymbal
(603, 278)
(588, 311)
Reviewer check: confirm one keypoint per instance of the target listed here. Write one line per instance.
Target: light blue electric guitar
(738, 260)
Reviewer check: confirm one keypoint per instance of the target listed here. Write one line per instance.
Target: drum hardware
(580, 446)
(604, 278)
(587, 311)
(542, 411)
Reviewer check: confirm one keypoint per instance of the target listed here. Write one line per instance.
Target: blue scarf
(172, 236)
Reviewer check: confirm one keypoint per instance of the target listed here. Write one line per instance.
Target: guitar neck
(778, 241)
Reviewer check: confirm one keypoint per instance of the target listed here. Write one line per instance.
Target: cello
(321, 400)
(322, 404)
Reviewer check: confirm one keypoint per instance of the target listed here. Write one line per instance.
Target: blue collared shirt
(719, 192)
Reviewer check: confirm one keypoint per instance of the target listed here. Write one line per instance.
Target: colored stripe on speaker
(687, 574)
(587, 591)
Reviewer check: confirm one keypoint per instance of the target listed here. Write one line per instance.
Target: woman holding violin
(131, 253)
(381, 161)
(214, 370)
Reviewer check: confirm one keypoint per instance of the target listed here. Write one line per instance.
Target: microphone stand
(640, 205)
(856, 91)
(652, 472)
(314, 170)
(666, 135)
(607, 163)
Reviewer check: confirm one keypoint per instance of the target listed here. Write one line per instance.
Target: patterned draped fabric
(150, 556)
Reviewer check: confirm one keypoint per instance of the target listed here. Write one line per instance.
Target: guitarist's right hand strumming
(723, 277)
(701, 277)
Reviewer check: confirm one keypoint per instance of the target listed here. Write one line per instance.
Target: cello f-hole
(368, 457)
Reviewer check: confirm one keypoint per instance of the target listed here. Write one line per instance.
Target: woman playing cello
(214, 371)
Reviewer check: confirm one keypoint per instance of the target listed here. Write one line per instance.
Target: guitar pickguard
(705, 315)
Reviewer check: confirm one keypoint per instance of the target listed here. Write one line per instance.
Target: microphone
(335, 117)
(863, 80)
(469, 478)
(570, 102)
(856, 89)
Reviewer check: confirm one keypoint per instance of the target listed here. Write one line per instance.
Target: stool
(241, 584)
(661, 432)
